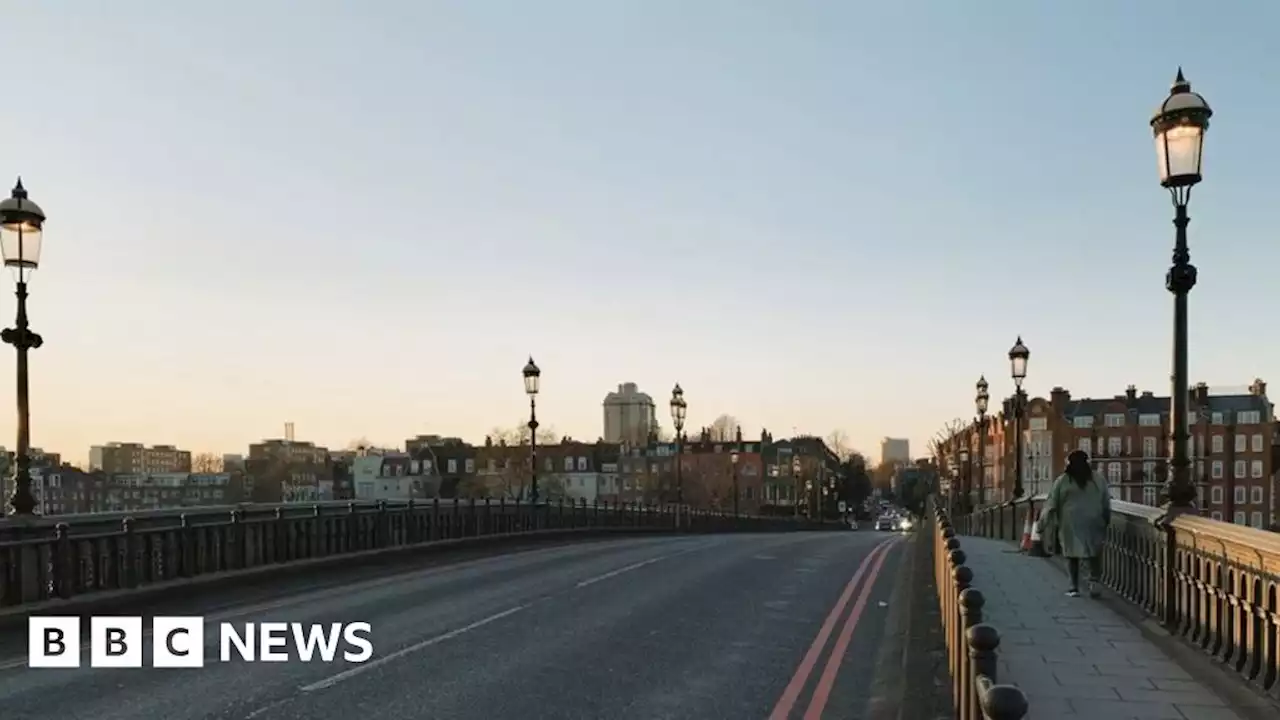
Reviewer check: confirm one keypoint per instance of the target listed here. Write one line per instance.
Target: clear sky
(362, 217)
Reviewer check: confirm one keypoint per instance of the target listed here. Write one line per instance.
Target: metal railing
(971, 644)
(63, 558)
(1214, 584)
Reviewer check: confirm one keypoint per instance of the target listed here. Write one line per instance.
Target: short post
(983, 641)
(961, 577)
(971, 602)
(1004, 702)
(64, 567)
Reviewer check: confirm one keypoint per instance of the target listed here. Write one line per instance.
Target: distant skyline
(363, 218)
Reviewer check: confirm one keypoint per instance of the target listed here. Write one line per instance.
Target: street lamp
(1019, 355)
(1179, 126)
(733, 461)
(795, 482)
(21, 232)
(966, 480)
(679, 409)
(532, 378)
(980, 401)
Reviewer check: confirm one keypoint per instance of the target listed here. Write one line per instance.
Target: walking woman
(1079, 508)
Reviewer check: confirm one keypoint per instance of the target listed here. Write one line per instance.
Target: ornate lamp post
(21, 233)
(980, 401)
(795, 481)
(1179, 126)
(966, 481)
(532, 379)
(679, 409)
(1019, 356)
(733, 460)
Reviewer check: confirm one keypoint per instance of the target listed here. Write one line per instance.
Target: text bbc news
(178, 642)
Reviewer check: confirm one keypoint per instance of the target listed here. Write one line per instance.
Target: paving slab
(1076, 657)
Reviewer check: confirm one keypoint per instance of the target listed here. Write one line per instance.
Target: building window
(1086, 445)
(1217, 469)
(1242, 443)
(1215, 515)
(1239, 519)
(1249, 417)
(1101, 450)
(549, 464)
(1113, 446)
(1149, 420)
(1240, 494)
(1217, 418)
(1217, 443)
(492, 465)
(1240, 468)
(1257, 519)
(1115, 420)
(1113, 473)
(453, 465)
(1038, 423)
(582, 464)
(1255, 494)
(1083, 421)
(1148, 496)
(1255, 469)
(470, 465)
(1256, 442)
(1148, 447)
(1216, 495)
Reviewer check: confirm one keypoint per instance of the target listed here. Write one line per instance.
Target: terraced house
(1233, 434)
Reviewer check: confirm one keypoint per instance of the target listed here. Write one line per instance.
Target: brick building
(1126, 436)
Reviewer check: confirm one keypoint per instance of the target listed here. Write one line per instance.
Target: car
(887, 522)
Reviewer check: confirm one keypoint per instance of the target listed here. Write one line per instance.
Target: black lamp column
(733, 459)
(21, 233)
(980, 402)
(1179, 126)
(532, 379)
(679, 410)
(1019, 356)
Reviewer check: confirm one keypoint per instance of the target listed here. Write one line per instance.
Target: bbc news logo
(178, 642)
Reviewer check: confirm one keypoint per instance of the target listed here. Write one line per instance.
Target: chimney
(1200, 394)
(1131, 393)
(1058, 398)
(739, 434)
(1258, 388)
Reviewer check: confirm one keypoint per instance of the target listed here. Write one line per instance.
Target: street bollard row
(971, 643)
(85, 556)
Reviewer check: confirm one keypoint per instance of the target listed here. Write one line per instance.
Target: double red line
(870, 567)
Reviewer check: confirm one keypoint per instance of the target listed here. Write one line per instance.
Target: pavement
(1080, 657)
(777, 625)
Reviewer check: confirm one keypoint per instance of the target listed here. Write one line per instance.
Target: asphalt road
(774, 626)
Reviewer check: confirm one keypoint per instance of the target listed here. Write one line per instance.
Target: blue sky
(813, 215)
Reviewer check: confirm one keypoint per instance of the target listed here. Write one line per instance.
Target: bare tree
(473, 487)
(359, 443)
(206, 463)
(838, 441)
(724, 429)
(519, 435)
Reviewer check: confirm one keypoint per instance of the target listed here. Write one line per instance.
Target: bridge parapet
(47, 560)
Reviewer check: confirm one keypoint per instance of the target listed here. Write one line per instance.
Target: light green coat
(1077, 517)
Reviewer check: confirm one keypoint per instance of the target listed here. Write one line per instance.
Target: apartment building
(129, 457)
(1231, 439)
(630, 416)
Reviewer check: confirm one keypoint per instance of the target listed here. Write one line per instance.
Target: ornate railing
(971, 644)
(81, 555)
(1215, 584)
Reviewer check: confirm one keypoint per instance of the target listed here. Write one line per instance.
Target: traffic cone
(1037, 542)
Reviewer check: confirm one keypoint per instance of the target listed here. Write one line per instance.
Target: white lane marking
(373, 664)
(619, 571)
(225, 613)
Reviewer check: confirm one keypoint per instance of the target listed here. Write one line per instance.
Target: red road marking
(823, 691)
(789, 696)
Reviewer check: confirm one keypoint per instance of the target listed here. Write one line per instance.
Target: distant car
(904, 523)
(887, 523)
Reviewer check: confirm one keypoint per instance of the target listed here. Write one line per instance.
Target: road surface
(775, 626)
